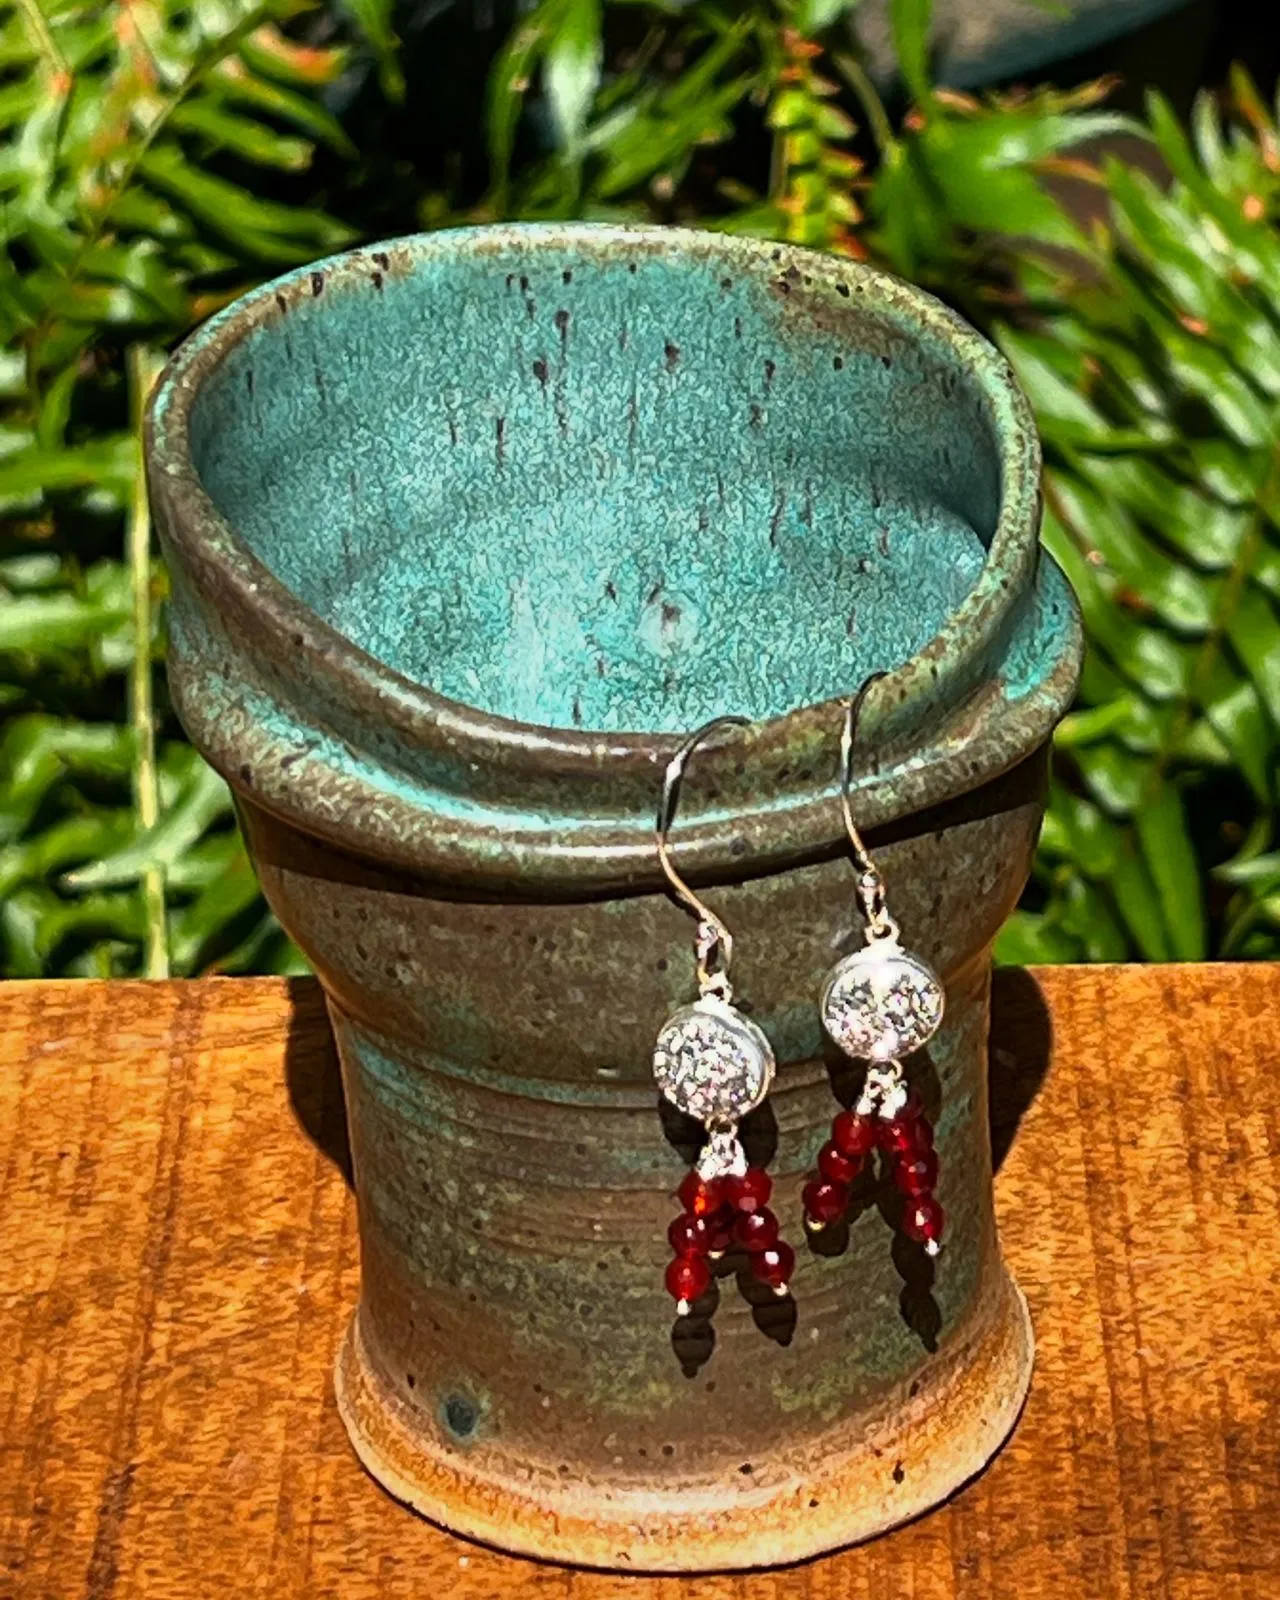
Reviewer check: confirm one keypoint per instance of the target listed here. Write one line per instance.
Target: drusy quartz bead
(881, 1002)
(712, 1062)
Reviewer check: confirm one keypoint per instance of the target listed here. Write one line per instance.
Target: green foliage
(1157, 391)
(159, 157)
(132, 137)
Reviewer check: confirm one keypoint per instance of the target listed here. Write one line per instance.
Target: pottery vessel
(465, 532)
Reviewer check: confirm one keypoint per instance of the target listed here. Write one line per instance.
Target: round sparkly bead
(916, 1175)
(882, 1002)
(712, 1062)
(750, 1191)
(824, 1201)
(853, 1135)
(689, 1235)
(836, 1166)
(700, 1195)
(775, 1265)
(720, 1229)
(756, 1230)
(922, 1220)
(687, 1278)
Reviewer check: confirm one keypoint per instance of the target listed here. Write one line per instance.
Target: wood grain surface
(179, 1260)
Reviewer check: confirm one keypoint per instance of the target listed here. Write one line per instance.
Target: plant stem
(47, 45)
(872, 106)
(146, 791)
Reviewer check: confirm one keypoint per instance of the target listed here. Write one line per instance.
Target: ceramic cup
(465, 532)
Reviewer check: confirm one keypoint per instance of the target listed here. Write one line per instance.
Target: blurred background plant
(160, 156)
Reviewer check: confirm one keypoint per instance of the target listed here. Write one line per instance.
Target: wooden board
(179, 1259)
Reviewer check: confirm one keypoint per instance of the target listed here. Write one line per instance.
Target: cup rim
(333, 682)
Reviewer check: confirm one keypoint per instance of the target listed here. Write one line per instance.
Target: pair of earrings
(713, 1063)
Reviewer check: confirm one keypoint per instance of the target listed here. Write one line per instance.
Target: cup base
(866, 1476)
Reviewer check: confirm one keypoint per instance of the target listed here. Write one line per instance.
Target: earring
(878, 1004)
(716, 1065)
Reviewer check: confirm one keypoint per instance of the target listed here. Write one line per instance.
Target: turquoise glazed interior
(466, 531)
(600, 488)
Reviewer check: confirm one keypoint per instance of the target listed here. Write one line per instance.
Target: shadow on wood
(313, 1076)
(1020, 1048)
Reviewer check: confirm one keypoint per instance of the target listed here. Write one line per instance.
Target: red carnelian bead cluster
(907, 1139)
(841, 1159)
(718, 1213)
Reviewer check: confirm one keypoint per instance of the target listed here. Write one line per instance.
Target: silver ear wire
(714, 944)
(871, 892)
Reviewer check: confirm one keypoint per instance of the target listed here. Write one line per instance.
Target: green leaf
(221, 903)
(1029, 939)
(221, 129)
(1084, 912)
(1171, 860)
(204, 800)
(374, 20)
(1255, 636)
(56, 622)
(1182, 598)
(571, 69)
(105, 463)
(263, 229)
(909, 21)
(983, 169)
(814, 16)
(1138, 903)
(509, 81)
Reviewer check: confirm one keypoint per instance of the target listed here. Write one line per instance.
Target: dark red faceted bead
(916, 1175)
(757, 1230)
(825, 1202)
(922, 1220)
(908, 1132)
(751, 1191)
(720, 1229)
(687, 1278)
(834, 1165)
(689, 1235)
(699, 1195)
(775, 1265)
(923, 1131)
(854, 1135)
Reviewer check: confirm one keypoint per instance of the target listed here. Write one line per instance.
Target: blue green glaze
(562, 503)
(670, 477)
